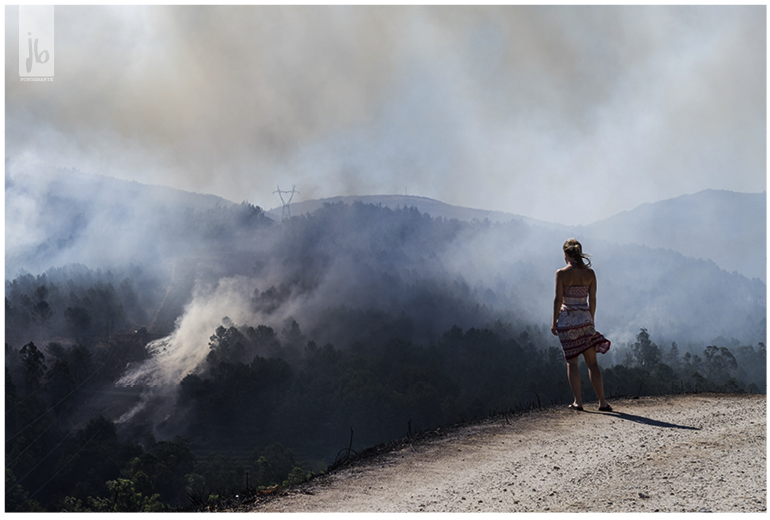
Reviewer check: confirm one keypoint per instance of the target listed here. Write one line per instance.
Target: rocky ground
(691, 453)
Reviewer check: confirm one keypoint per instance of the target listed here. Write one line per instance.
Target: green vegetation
(391, 337)
(275, 409)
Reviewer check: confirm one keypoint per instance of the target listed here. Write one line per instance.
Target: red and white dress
(575, 326)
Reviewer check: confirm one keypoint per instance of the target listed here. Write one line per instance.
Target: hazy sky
(567, 114)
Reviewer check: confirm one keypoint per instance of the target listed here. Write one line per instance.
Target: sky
(566, 114)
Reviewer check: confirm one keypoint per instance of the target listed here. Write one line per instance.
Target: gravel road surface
(683, 453)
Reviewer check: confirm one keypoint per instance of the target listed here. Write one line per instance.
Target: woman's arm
(592, 295)
(557, 301)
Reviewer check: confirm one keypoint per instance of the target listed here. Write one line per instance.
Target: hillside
(682, 453)
(432, 207)
(159, 323)
(372, 258)
(725, 227)
(57, 216)
(65, 216)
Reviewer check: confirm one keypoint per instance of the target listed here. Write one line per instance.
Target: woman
(573, 321)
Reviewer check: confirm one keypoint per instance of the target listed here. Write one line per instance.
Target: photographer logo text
(36, 43)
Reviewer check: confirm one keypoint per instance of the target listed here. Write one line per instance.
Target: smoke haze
(513, 108)
(165, 332)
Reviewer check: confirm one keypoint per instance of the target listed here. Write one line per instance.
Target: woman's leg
(594, 374)
(573, 374)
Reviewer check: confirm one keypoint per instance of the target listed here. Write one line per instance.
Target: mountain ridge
(659, 224)
(726, 227)
(433, 207)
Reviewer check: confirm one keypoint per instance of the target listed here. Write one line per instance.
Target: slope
(58, 216)
(432, 207)
(726, 227)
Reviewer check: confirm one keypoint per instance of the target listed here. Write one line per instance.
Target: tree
(672, 357)
(15, 495)
(126, 499)
(699, 382)
(195, 488)
(752, 364)
(265, 340)
(227, 345)
(167, 465)
(79, 320)
(42, 312)
(106, 307)
(274, 465)
(645, 351)
(41, 292)
(33, 365)
(10, 402)
(292, 333)
(60, 384)
(692, 363)
(297, 476)
(221, 475)
(719, 363)
(81, 363)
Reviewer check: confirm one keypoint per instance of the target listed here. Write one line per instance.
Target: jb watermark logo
(36, 42)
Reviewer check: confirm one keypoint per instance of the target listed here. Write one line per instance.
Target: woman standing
(573, 321)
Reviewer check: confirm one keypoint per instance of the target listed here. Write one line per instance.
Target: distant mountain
(57, 216)
(432, 207)
(105, 191)
(726, 227)
(367, 257)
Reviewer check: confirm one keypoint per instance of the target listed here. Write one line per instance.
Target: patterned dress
(575, 326)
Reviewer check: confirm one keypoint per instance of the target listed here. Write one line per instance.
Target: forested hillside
(725, 227)
(243, 352)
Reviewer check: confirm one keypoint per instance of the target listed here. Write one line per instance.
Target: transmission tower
(285, 210)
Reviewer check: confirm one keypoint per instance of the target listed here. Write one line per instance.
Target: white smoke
(181, 353)
(524, 109)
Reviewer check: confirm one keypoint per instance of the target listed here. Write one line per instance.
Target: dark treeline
(74, 302)
(385, 392)
(149, 288)
(386, 322)
(439, 272)
(268, 410)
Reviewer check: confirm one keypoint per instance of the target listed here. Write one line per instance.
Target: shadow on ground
(646, 420)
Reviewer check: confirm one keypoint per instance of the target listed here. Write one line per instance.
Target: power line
(22, 452)
(53, 407)
(43, 459)
(65, 437)
(62, 468)
(57, 404)
(22, 401)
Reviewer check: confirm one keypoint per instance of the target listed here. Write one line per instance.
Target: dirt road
(701, 452)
